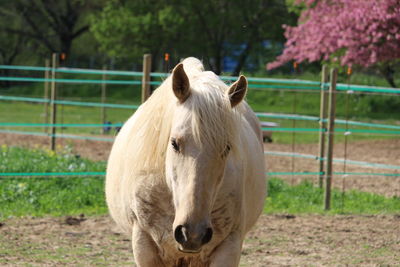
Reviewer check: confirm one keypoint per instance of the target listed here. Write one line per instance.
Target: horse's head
(202, 135)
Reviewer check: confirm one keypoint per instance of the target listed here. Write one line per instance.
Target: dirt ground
(373, 151)
(277, 240)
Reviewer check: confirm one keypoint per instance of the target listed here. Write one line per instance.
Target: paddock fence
(302, 112)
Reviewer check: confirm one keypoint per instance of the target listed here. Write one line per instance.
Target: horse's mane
(213, 120)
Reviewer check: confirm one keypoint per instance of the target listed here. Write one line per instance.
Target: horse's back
(254, 171)
(253, 121)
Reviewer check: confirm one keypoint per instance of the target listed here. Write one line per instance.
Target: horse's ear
(180, 83)
(237, 91)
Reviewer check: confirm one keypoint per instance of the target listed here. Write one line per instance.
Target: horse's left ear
(237, 91)
(180, 83)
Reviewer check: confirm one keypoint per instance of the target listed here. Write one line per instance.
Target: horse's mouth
(191, 251)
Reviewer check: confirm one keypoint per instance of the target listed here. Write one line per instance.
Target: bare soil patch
(95, 150)
(277, 240)
(373, 151)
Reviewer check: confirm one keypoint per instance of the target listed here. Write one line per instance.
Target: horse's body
(185, 176)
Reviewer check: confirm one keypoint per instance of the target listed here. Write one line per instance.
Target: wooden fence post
(52, 101)
(103, 99)
(146, 77)
(331, 135)
(322, 124)
(46, 94)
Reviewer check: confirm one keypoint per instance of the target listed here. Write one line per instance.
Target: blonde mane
(213, 121)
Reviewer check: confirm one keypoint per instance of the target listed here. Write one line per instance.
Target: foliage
(54, 195)
(45, 26)
(133, 28)
(208, 29)
(361, 32)
(306, 198)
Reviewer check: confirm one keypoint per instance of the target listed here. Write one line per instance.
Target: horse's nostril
(187, 241)
(180, 235)
(207, 237)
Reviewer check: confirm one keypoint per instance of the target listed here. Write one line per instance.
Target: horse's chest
(153, 208)
(155, 213)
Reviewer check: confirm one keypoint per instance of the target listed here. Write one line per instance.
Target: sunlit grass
(38, 196)
(306, 198)
(73, 195)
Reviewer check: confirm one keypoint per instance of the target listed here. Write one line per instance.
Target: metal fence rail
(129, 78)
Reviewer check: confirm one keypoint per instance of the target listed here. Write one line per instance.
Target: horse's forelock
(214, 122)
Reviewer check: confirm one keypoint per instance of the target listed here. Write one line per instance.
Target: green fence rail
(335, 160)
(80, 81)
(254, 83)
(47, 174)
(67, 102)
(58, 125)
(66, 136)
(313, 85)
(66, 174)
(72, 70)
(270, 129)
(367, 89)
(259, 114)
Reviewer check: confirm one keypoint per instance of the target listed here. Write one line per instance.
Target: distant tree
(11, 47)
(349, 32)
(208, 29)
(220, 23)
(129, 29)
(53, 24)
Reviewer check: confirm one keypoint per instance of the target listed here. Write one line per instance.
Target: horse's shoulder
(152, 201)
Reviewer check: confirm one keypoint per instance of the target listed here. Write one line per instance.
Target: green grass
(34, 113)
(54, 195)
(358, 77)
(313, 137)
(306, 198)
(360, 107)
(74, 195)
(269, 101)
(354, 106)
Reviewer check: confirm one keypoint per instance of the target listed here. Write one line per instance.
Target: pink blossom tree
(350, 32)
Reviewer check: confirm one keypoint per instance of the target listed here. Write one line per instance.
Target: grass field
(359, 108)
(293, 230)
(75, 195)
(54, 195)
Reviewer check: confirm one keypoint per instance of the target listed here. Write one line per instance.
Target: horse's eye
(226, 151)
(175, 145)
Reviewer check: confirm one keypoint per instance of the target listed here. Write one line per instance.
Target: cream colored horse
(185, 177)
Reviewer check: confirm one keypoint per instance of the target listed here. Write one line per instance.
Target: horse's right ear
(237, 91)
(180, 83)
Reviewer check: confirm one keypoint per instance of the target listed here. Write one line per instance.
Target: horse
(185, 176)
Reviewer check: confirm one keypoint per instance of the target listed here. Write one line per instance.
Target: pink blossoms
(361, 32)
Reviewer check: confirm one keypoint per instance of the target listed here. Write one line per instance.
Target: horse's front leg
(228, 252)
(144, 249)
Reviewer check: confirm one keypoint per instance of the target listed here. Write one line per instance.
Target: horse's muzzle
(191, 240)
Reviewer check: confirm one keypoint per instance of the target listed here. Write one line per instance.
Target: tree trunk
(388, 72)
(218, 64)
(242, 59)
